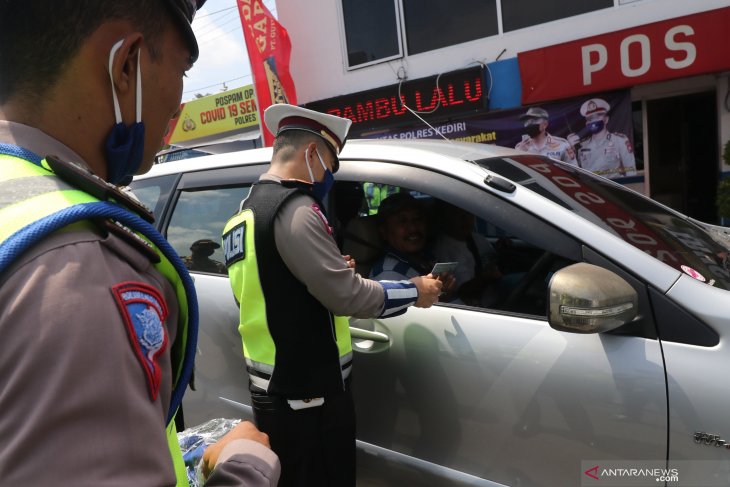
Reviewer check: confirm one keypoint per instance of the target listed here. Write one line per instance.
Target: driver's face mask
(124, 145)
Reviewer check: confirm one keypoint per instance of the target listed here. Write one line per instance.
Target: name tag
(234, 244)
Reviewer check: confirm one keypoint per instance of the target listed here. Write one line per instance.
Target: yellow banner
(216, 114)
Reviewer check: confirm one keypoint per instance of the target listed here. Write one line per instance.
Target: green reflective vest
(39, 195)
(294, 347)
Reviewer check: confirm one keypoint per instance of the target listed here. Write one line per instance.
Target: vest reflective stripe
(261, 376)
(17, 216)
(24, 188)
(29, 214)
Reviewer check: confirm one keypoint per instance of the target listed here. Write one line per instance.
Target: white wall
(318, 64)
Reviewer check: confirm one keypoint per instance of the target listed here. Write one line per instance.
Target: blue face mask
(124, 145)
(320, 188)
(595, 127)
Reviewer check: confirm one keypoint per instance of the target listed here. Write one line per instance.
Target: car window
(500, 269)
(197, 223)
(154, 192)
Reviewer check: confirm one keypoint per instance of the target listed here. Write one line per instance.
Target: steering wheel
(538, 268)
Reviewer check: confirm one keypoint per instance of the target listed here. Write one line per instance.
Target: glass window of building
(517, 14)
(372, 31)
(433, 24)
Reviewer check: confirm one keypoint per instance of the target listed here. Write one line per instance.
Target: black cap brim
(184, 23)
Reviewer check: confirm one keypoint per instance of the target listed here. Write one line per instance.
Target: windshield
(691, 247)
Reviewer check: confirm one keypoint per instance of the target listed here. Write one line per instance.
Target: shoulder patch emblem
(318, 211)
(234, 244)
(144, 312)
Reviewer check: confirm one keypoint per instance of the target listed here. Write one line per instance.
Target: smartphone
(443, 268)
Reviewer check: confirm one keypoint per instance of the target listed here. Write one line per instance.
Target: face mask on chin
(125, 145)
(320, 188)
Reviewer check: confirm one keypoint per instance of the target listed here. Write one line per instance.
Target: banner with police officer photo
(593, 132)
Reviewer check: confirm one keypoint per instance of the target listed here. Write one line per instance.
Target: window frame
(404, 40)
(343, 38)
(443, 186)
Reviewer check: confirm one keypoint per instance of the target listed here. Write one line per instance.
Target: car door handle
(375, 336)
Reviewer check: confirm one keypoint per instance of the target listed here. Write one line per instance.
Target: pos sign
(684, 46)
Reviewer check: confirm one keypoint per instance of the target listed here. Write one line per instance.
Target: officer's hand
(573, 139)
(349, 261)
(428, 290)
(244, 430)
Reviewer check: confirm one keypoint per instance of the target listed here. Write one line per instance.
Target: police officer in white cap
(295, 291)
(539, 141)
(608, 154)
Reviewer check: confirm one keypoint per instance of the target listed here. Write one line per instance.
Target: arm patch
(234, 244)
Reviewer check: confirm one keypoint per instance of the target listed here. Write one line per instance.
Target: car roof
(426, 153)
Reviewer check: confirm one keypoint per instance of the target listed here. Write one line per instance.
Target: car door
(460, 395)
(197, 210)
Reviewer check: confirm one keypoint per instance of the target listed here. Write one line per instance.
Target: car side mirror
(585, 298)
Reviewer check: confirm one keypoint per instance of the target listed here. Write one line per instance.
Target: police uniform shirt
(609, 154)
(76, 408)
(304, 240)
(555, 147)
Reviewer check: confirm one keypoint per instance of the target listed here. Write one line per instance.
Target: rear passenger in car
(477, 274)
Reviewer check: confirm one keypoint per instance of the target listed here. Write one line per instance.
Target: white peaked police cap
(594, 106)
(282, 117)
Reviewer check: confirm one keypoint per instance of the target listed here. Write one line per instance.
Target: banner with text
(220, 114)
(507, 129)
(269, 49)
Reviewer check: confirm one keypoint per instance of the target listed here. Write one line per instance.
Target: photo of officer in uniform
(608, 154)
(538, 141)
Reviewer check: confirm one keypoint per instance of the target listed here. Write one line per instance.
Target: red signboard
(436, 97)
(269, 48)
(685, 46)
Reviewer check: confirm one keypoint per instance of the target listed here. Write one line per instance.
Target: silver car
(602, 362)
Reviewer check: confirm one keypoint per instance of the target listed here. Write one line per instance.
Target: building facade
(654, 75)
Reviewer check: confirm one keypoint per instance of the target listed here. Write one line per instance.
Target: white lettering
(623, 224)
(673, 45)
(641, 239)
(626, 68)
(589, 198)
(543, 168)
(566, 182)
(588, 67)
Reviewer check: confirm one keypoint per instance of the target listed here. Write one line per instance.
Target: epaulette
(77, 175)
(131, 237)
(80, 177)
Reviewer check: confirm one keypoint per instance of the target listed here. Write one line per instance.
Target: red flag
(269, 47)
